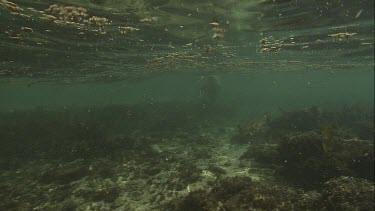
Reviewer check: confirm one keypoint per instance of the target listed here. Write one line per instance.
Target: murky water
(186, 105)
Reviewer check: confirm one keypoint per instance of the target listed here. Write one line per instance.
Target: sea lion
(210, 87)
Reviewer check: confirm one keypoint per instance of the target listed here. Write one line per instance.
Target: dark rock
(189, 173)
(262, 153)
(136, 195)
(302, 156)
(68, 206)
(198, 200)
(346, 193)
(216, 170)
(237, 194)
(61, 193)
(152, 171)
(301, 120)
(232, 185)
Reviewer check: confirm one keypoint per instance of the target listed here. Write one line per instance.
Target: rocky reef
(120, 158)
(306, 152)
(241, 193)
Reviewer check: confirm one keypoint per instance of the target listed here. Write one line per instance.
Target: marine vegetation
(328, 142)
(356, 120)
(307, 150)
(347, 193)
(125, 157)
(241, 193)
(306, 164)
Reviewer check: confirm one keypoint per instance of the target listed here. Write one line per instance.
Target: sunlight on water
(112, 40)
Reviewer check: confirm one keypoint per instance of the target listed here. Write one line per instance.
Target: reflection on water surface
(111, 40)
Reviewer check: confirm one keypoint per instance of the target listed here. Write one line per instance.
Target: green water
(248, 92)
(186, 105)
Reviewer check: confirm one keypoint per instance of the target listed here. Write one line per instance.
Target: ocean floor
(265, 165)
(144, 179)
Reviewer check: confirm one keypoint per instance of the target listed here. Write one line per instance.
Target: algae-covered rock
(359, 155)
(302, 156)
(237, 194)
(347, 194)
(300, 120)
(211, 200)
(199, 200)
(216, 170)
(186, 174)
(304, 162)
(232, 185)
(263, 153)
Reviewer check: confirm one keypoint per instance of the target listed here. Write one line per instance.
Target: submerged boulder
(346, 194)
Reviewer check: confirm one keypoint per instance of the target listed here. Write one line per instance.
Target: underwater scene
(187, 105)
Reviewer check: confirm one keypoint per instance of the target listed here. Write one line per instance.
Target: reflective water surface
(107, 40)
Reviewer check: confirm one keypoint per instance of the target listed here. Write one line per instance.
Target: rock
(302, 156)
(218, 171)
(263, 153)
(236, 194)
(347, 193)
